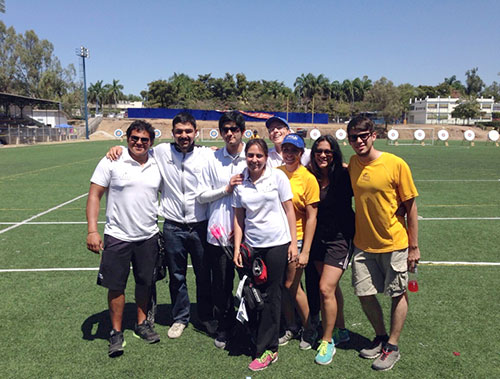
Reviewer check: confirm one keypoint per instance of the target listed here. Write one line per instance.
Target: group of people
(290, 205)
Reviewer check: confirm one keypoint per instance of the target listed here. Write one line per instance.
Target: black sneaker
(146, 332)
(116, 343)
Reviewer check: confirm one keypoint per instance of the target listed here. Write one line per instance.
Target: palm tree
(115, 91)
(96, 94)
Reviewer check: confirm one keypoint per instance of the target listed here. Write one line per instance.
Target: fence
(15, 135)
(293, 117)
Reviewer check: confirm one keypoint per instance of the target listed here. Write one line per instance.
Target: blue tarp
(293, 117)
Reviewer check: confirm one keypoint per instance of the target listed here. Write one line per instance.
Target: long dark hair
(335, 168)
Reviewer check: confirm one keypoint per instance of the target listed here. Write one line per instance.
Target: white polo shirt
(216, 175)
(275, 159)
(180, 173)
(266, 224)
(132, 196)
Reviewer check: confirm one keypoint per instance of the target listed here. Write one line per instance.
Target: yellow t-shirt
(305, 189)
(379, 188)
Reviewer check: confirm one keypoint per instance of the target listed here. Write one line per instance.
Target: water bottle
(413, 283)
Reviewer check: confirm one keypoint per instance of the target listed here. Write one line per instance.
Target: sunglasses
(226, 129)
(136, 139)
(327, 152)
(363, 136)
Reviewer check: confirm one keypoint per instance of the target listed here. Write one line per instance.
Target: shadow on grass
(98, 325)
(357, 342)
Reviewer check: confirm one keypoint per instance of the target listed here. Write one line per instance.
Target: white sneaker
(176, 330)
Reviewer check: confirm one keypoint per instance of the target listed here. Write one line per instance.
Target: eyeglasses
(363, 136)
(226, 129)
(327, 152)
(136, 139)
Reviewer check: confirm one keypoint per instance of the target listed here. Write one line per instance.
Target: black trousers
(268, 320)
(312, 290)
(222, 269)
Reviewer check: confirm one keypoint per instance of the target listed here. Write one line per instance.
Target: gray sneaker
(146, 332)
(308, 339)
(386, 360)
(116, 344)
(287, 337)
(375, 348)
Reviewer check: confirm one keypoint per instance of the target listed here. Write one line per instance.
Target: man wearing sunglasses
(218, 179)
(185, 226)
(131, 230)
(385, 245)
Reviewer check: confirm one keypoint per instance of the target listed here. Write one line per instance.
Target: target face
(341, 134)
(157, 133)
(315, 134)
(469, 135)
(118, 133)
(248, 133)
(393, 135)
(214, 133)
(493, 135)
(419, 135)
(443, 135)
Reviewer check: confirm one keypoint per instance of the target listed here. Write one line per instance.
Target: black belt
(187, 225)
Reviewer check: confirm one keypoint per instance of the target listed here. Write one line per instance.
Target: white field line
(54, 269)
(41, 214)
(420, 218)
(457, 180)
(430, 263)
(444, 263)
(455, 218)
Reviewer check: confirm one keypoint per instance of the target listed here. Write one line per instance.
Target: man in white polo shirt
(131, 230)
(185, 227)
(216, 186)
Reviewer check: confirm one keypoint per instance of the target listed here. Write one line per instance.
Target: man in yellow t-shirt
(385, 246)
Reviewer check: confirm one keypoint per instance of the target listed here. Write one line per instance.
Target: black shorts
(336, 253)
(117, 256)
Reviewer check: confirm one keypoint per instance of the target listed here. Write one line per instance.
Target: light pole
(84, 53)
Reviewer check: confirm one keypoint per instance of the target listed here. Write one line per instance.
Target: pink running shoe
(264, 361)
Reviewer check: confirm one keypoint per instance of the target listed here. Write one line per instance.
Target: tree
(114, 91)
(384, 98)
(474, 84)
(406, 92)
(492, 90)
(97, 94)
(467, 110)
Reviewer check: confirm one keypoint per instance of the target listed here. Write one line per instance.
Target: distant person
(278, 128)
(331, 247)
(185, 226)
(131, 231)
(218, 180)
(385, 247)
(255, 134)
(305, 201)
(265, 220)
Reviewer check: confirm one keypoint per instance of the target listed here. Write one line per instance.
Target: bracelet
(92, 232)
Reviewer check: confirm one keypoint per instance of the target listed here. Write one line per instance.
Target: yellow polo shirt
(379, 188)
(305, 189)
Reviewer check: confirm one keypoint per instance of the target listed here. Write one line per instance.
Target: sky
(137, 42)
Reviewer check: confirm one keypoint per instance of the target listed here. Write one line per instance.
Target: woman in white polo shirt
(264, 216)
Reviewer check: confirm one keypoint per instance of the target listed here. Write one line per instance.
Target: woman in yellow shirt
(305, 191)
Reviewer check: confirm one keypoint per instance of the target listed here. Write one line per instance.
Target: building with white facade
(438, 110)
(49, 117)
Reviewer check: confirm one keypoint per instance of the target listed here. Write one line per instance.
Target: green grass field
(55, 323)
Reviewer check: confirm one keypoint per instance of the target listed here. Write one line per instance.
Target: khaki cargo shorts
(374, 273)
